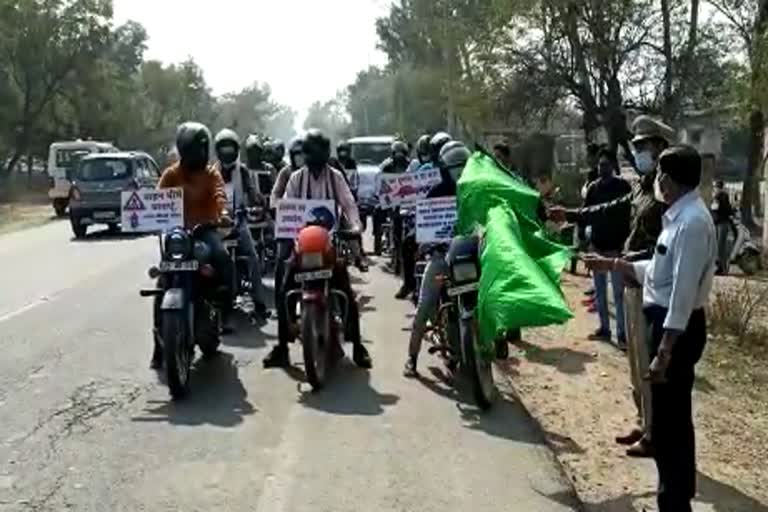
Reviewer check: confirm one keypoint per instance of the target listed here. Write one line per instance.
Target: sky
(306, 50)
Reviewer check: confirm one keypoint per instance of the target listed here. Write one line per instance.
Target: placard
(149, 210)
(294, 214)
(435, 219)
(407, 188)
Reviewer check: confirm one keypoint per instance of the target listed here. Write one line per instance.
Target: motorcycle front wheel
(479, 371)
(313, 344)
(174, 330)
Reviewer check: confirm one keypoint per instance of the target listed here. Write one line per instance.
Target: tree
(329, 117)
(43, 43)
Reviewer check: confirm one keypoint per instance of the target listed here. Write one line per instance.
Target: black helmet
(193, 142)
(254, 151)
(227, 145)
(423, 149)
(453, 155)
(316, 148)
(344, 148)
(436, 143)
(400, 148)
(296, 152)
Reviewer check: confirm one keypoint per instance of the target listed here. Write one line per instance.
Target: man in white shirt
(676, 285)
(317, 180)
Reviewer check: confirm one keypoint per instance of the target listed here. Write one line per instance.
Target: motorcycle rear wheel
(314, 346)
(207, 330)
(176, 350)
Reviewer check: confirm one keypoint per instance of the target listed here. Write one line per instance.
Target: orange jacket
(204, 196)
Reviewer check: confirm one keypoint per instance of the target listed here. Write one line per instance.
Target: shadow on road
(246, 335)
(106, 235)
(348, 392)
(725, 498)
(218, 397)
(566, 360)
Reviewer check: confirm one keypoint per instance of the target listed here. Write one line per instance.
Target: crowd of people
(652, 238)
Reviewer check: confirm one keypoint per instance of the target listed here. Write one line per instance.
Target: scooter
(744, 251)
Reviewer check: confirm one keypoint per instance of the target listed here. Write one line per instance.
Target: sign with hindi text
(435, 219)
(294, 214)
(407, 188)
(149, 210)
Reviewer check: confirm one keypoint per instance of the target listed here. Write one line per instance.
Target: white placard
(407, 188)
(294, 214)
(149, 210)
(435, 219)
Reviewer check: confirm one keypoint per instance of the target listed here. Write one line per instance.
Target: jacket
(205, 198)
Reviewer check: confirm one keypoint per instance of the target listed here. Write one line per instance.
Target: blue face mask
(644, 162)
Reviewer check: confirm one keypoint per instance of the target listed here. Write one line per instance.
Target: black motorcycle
(187, 311)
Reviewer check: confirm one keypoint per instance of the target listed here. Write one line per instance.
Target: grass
(17, 216)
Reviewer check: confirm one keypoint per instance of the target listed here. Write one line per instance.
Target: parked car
(97, 184)
(370, 153)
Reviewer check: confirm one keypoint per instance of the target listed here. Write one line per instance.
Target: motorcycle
(318, 311)
(455, 333)
(188, 310)
(744, 251)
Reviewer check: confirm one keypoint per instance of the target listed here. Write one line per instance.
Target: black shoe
(403, 293)
(410, 370)
(361, 357)
(278, 357)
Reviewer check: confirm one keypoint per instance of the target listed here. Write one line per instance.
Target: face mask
(657, 193)
(644, 162)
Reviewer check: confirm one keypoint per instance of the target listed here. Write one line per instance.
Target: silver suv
(98, 182)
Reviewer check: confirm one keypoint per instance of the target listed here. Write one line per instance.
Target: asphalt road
(85, 426)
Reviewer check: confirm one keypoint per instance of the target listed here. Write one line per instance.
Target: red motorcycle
(316, 310)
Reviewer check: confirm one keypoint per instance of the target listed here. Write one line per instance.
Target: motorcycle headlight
(178, 245)
(312, 260)
(463, 272)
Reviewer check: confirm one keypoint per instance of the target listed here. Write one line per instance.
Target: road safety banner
(435, 219)
(149, 210)
(294, 214)
(405, 189)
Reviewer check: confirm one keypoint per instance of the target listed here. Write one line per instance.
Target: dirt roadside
(579, 392)
(20, 215)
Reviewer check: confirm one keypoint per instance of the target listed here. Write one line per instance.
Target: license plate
(104, 215)
(314, 276)
(178, 266)
(465, 288)
(229, 244)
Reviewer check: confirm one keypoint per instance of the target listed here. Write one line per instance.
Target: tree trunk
(669, 78)
(751, 182)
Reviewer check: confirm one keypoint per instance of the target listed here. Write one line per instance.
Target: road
(85, 426)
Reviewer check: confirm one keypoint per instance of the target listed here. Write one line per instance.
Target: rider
(262, 172)
(428, 151)
(319, 181)
(423, 160)
(397, 163)
(244, 195)
(452, 158)
(275, 153)
(344, 155)
(205, 203)
(296, 162)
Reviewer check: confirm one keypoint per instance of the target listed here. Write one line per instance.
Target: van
(62, 159)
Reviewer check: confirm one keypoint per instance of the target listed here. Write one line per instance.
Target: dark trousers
(379, 217)
(408, 250)
(672, 412)
(340, 281)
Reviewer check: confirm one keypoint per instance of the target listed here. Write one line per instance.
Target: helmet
(254, 151)
(423, 149)
(193, 142)
(400, 148)
(276, 149)
(436, 143)
(316, 148)
(343, 148)
(227, 145)
(296, 152)
(453, 155)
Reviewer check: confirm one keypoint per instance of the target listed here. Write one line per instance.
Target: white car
(370, 153)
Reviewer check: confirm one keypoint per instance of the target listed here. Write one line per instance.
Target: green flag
(521, 267)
